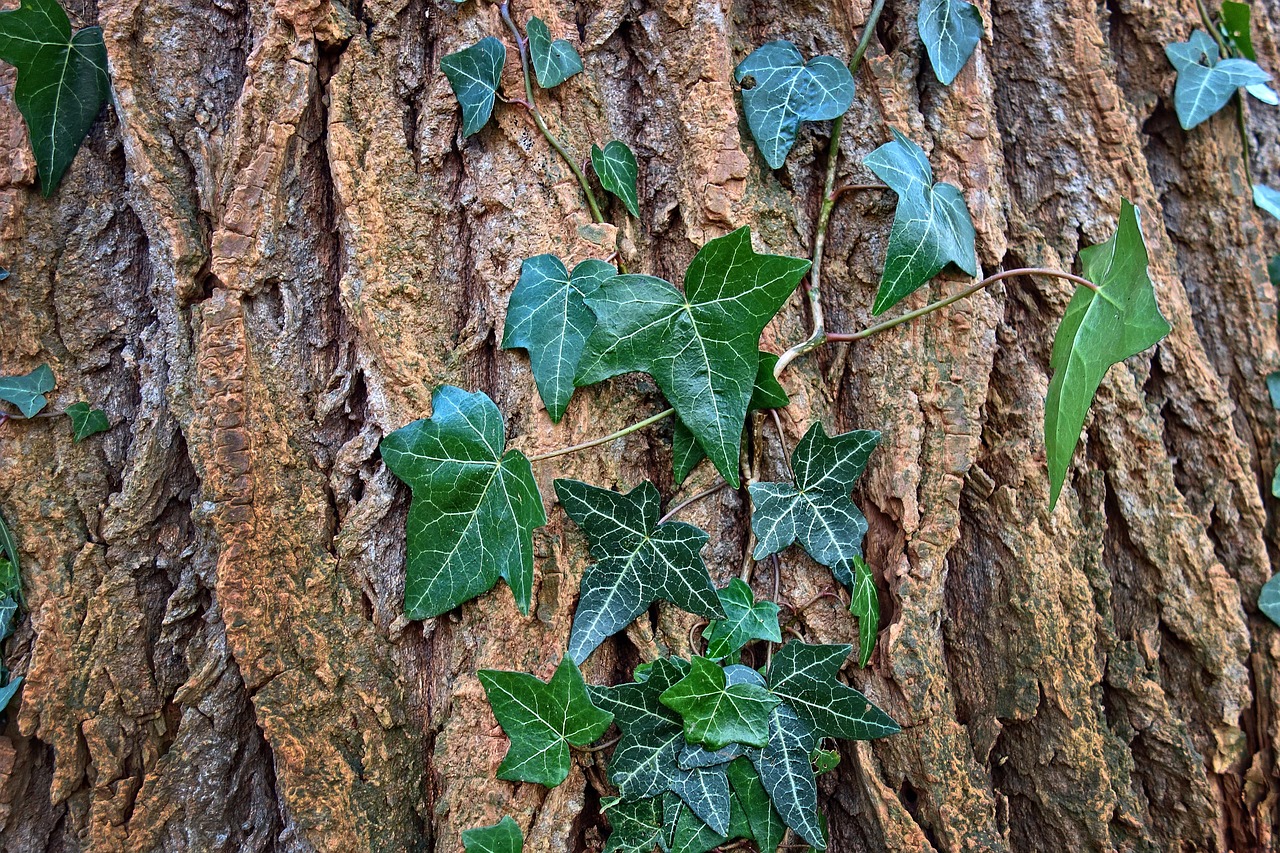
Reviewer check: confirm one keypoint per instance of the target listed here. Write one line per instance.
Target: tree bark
(276, 243)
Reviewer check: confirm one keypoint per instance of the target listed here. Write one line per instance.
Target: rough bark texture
(274, 245)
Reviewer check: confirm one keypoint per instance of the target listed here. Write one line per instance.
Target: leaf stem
(599, 747)
(596, 442)
(1242, 121)
(706, 493)
(1213, 30)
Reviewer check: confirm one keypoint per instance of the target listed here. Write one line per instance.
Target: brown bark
(275, 244)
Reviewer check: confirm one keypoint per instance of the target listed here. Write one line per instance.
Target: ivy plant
(502, 837)
(29, 394)
(745, 620)
(554, 61)
(1206, 81)
(10, 604)
(474, 73)
(950, 30)
(617, 169)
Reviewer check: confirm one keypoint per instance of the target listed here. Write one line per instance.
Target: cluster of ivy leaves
(10, 603)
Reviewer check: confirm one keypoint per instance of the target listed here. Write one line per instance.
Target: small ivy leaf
(1273, 272)
(543, 721)
(695, 755)
(824, 761)
(502, 837)
(1236, 27)
(635, 826)
(62, 82)
(27, 392)
(1269, 599)
(763, 825)
(931, 227)
(8, 615)
(864, 603)
(553, 61)
(474, 507)
(86, 421)
(690, 834)
(548, 317)
(787, 92)
(717, 713)
(804, 677)
(950, 30)
(787, 775)
(745, 620)
(1267, 199)
(1275, 483)
(638, 562)
(1099, 329)
(816, 511)
(10, 570)
(1205, 83)
(474, 73)
(9, 691)
(1273, 389)
(616, 167)
(4, 274)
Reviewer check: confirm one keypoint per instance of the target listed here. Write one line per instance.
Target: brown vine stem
(706, 493)
(855, 188)
(596, 442)
(599, 747)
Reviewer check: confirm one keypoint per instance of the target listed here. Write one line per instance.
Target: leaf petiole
(596, 442)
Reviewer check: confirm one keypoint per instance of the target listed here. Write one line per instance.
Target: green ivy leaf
(636, 826)
(62, 81)
(27, 392)
(8, 614)
(638, 562)
(1273, 389)
(1206, 83)
(1099, 329)
(1236, 27)
(548, 317)
(1275, 483)
(816, 510)
(9, 691)
(474, 508)
(1273, 270)
(553, 61)
(474, 74)
(864, 603)
(700, 346)
(616, 167)
(716, 712)
(543, 721)
(11, 571)
(763, 824)
(689, 834)
(1267, 199)
(502, 837)
(787, 92)
(86, 421)
(695, 755)
(787, 775)
(824, 761)
(745, 620)
(931, 227)
(950, 30)
(804, 677)
(1269, 599)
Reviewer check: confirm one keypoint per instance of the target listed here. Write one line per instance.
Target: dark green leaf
(543, 721)
(27, 392)
(86, 421)
(1206, 83)
(804, 677)
(931, 227)
(764, 824)
(864, 603)
(474, 73)
(1273, 270)
(502, 837)
(474, 508)
(8, 691)
(553, 61)
(635, 826)
(717, 713)
(8, 614)
(689, 834)
(1273, 389)
(1235, 23)
(548, 317)
(744, 621)
(62, 81)
(787, 776)
(616, 167)
(824, 761)
(695, 755)
(1269, 599)
(700, 346)
(1099, 329)
(787, 91)
(9, 550)
(1267, 199)
(950, 30)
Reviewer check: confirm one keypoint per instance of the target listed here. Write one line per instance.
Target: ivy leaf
(502, 837)
(787, 92)
(744, 621)
(1099, 329)
(764, 824)
(86, 421)
(616, 167)
(864, 603)
(474, 508)
(950, 30)
(62, 81)
(543, 721)
(553, 61)
(700, 346)
(1273, 273)
(1269, 599)
(27, 392)
(548, 317)
(689, 834)
(474, 73)
(824, 761)
(8, 614)
(717, 713)
(1267, 199)
(931, 227)
(10, 569)
(1206, 83)
(816, 511)
(9, 691)
(1236, 27)
(804, 677)
(636, 826)
(638, 562)
(695, 755)
(787, 776)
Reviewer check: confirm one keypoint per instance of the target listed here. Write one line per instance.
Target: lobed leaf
(636, 826)
(474, 74)
(86, 421)
(803, 676)
(717, 711)
(745, 620)
(616, 167)
(553, 61)
(27, 391)
(950, 30)
(1205, 82)
(502, 837)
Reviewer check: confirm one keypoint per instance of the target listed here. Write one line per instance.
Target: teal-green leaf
(931, 227)
(1275, 483)
(700, 346)
(1269, 599)
(717, 713)
(1273, 270)
(864, 603)
(635, 826)
(950, 30)
(816, 510)
(548, 317)
(745, 620)
(764, 825)
(616, 167)
(542, 721)
(86, 421)
(787, 91)
(553, 61)
(474, 507)
(27, 391)
(1099, 329)
(502, 837)
(8, 691)
(787, 775)
(474, 74)
(1267, 199)
(8, 614)
(62, 81)
(804, 677)
(1273, 389)
(1205, 82)
(1237, 27)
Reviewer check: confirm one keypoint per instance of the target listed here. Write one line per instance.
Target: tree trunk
(276, 243)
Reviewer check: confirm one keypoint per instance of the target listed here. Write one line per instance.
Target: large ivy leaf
(764, 825)
(474, 74)
(86, 421)
(787, 776)
(502, 837)
(543, 721)
(27, 391)
(864, 603)
(780, 91)
(1099, 329)
(745, 620)
(816, 510)
(931, 227)
(616, 167)
(1206, 83)
(635, 826)
(553, 61)
(804, 677)
(716, 712)
(62, 81)
(474, 507)
(1267, 199)
(700, 346)
(950, 30)
(1269, 599)
(638, 562)
(548, 317)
